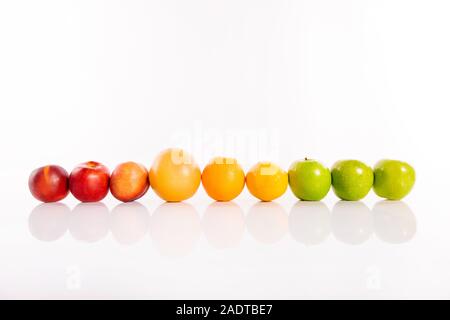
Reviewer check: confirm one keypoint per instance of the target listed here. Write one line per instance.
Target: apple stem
(306, 158)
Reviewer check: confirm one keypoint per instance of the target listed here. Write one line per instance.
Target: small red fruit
(129, 181)
(49, 183)
(89, 181)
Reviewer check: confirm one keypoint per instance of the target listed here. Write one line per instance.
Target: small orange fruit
(174, 175)
(223, 179)
(266, 181)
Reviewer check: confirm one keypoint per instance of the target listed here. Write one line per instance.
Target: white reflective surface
(175, 228)
(240, 249)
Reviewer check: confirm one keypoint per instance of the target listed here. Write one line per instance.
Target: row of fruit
(174, 176)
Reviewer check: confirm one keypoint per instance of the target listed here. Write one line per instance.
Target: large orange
(174, 175)
(266, 181)
(223, 179)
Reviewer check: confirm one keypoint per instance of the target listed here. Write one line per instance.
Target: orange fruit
(266, 181)
(174, 175)
(223, 179)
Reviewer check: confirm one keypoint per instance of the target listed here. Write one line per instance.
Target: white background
(113, 81)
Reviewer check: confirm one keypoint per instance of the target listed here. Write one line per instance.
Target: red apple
(49, 183)
(89, 181)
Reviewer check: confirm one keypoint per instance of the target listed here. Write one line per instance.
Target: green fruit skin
(309, 180)
(394, 179)
(351, 179)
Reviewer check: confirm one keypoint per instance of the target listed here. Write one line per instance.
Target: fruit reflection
(310, 222)
(223, 224)
(89, 221)
(129, 222)
(394, 222)
(352, 222)
(267, 222)
(49, 221)
(175, 228)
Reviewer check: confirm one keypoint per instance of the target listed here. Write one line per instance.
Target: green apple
(309, 180)
(393, 179)
(351, 179)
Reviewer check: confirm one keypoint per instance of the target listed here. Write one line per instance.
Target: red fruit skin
(89, 181)
(129, 181)
(49, 183)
